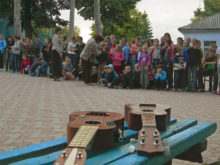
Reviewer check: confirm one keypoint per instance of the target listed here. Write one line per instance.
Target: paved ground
(34, 110)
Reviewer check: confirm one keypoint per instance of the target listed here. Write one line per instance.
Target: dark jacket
(112, 78)
(194, 57)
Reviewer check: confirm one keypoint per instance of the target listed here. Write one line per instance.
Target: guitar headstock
(72, 156)
(149, 142)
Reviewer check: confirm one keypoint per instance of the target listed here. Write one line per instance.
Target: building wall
(204, 36)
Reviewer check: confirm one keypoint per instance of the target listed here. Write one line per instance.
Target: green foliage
(136, 24)
(36, 13)
(210, 7)
(65, 31)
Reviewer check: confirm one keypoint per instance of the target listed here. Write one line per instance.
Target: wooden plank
(123, 151)
(178, 144)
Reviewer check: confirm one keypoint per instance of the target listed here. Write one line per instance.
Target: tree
(97, 17)
(112, 11)
(36, 13)
(17, 17)
(72, 13)
(210, 7)
(129, 29)
(65, 31)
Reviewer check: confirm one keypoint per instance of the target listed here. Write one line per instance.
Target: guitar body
(109, 124)
(133, 115)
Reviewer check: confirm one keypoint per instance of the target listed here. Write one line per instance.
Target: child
(67, 69)
(155, 53)
(144, 63)
(103, 76)
(34, 67)
(112, 77)
(94, 74)
(179, 69)
(16, 50)
(25, 64)
(127, 78)
(167, 53)
(136, 57)
(72, 51)
(136, 79)
(117, 58)
(152, 78)
(42, 68)
(160, 78)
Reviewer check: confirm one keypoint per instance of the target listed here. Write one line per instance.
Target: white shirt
(72, 46)
(218, 54)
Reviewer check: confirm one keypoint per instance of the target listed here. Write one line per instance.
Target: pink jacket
(119, 56)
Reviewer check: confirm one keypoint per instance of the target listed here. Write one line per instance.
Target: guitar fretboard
(83, 137)
(148, 119)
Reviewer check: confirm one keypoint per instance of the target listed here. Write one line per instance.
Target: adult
(31, 50)
(46, 50)
(218, 66)
(38, 45)
(79, 48)
(88, 56)
(71, 49)
(2, 47)
(187, 43)
(167, 36)
(57, 48)
(10, 42)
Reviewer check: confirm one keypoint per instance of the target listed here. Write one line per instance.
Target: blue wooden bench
(187, 139)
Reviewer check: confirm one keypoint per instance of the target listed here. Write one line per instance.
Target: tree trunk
(97, 17)
(72, 12)
(17, 17)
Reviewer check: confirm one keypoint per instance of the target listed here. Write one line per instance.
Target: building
(206, 30)
(4, 29)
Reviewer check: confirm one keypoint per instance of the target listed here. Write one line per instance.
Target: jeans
(218, 77)
(192, 73)
(7, 61)
(169, 71)
(73, 58)
(13, 63)
(179, 79)
(144, 78)
(1, 60)
(133, 65)
(87, 65)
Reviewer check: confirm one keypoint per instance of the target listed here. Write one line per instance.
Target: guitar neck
(148, 119)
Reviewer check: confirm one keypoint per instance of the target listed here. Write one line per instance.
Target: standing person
(65, 45)
(16, 51)
(57, 48)
(218, 67)
(167, 36)
(31, 51)
(187, 43)
(79, 48)
(2, 47)
(144, 63)
(88, 56)
(46, 50)
(193, 65)
(162, 42)
(38, 45)
(133, 51)
(155, 53)
(167, 54)
(126, 50)
(117, 58)
(10, 42)
(71, 49)
(111, 50)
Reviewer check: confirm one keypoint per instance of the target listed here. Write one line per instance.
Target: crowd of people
(113, 63)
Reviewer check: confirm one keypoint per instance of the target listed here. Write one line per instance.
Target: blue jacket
(2, 45)
(43, 66)
(186, 55)
(33, 67)
(126, 52)
(162, 77)
(111, 78)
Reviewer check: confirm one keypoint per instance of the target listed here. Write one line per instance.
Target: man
(88, 56)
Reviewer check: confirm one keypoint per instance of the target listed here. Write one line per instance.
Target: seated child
(103, 76)
(136, 79)
(160, 78)
(78, 71)
(67, 69)
(94, 74)
(112, 77)
(127, 77)
(152, 78)
(42, 68)
(25, 64)
(34, 67)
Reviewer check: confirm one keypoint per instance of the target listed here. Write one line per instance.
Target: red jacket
(25, 63)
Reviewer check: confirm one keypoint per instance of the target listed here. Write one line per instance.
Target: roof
(207, 24)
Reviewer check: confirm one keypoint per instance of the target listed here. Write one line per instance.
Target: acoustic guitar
(149, 141)
(90, 130)
(133, 115)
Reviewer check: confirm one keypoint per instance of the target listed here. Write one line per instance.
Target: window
(208, 44)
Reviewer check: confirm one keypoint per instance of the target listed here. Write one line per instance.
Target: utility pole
(97, 17)
(72, 12)
(17, 17)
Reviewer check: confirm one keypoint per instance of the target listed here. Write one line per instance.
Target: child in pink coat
(117, 58)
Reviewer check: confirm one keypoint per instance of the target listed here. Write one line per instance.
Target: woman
(2, 47)
(57, 48)
(72, 50)
(46, 50)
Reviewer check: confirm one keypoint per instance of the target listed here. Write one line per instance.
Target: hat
(110, 66)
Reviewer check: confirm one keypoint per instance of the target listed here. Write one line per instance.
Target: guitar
(90, 130)
(134, 118)
(149, 141)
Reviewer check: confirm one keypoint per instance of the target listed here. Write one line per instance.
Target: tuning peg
(132, 140)
(143, 133)
(64, 154)
(142, 141)
(156, 142)
(120, 139)
(155, 134)
(79, 155)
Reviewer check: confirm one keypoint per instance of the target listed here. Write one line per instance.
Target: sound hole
(147, 110)
(93, 122)
(97, 114)
(147, 105)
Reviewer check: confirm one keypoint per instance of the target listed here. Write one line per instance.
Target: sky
(164, 15)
